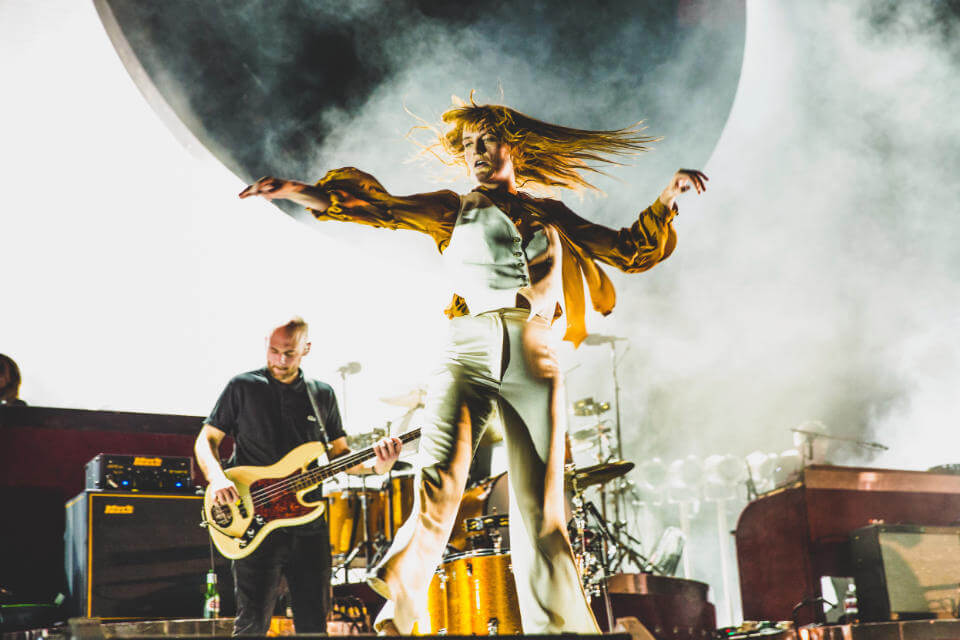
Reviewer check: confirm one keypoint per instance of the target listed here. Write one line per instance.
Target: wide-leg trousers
(486, 373)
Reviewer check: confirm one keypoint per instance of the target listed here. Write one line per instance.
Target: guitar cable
(213, 566)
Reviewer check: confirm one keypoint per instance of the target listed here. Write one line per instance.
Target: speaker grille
(140, 556)
(905, 571)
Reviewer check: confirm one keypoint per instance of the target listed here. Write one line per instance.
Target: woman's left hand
(681, 182)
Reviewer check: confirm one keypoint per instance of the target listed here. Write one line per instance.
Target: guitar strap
(311, 390)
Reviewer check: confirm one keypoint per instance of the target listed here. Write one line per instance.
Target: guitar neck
(354, 458)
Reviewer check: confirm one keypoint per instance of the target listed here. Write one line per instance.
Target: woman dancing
(518, 263)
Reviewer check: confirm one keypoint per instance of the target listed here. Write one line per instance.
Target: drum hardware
(489, 497)
(615, 358)
(352, 611)
(364, 519)
(596, 435)
(589, 407)
(599, 551)
(578, 479)
(412, 399)
(621, 542)
(485, 523)
(592, 432)
(364, 440)
(667, 552)
(365, 544)
(489, 528)
(590, 562)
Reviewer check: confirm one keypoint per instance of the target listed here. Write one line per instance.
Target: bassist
(268, 413)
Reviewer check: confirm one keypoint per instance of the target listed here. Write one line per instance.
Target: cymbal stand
(365, 545)
(614, 364)
(593, 585)
(389, 519)
(622, 547)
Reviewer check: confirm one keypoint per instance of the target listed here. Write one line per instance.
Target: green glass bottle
(211, 599)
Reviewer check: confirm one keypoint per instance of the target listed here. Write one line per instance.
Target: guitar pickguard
(282, 504)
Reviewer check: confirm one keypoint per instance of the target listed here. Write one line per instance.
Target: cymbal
(591, 432)
(409, 400)
(579, 479)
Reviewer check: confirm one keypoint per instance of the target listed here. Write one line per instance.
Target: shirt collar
(296, 385)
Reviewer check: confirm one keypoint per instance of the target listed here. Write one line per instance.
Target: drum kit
(473, 590)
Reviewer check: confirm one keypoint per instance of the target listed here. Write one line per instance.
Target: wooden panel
(657, 585)
(666, 617)
(773, 557)
(863, 479)
(788, 539)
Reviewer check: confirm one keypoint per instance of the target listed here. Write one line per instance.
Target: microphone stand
(616, 401)
(810, 436)
(343, 395)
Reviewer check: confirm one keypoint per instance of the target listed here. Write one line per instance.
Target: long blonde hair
(544, 154)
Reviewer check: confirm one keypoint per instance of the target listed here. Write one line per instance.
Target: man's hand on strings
(388, 451)
(681, 182)
(224, 491)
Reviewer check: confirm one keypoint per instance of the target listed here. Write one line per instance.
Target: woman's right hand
(277, 188)
(269, 187)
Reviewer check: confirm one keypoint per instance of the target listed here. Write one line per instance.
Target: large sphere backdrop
(296, 87)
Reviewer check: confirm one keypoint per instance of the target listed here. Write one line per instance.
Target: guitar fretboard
(319, 474)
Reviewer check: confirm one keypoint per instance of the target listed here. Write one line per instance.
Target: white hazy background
(818, 278)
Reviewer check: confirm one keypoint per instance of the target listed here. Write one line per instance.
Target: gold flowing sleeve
(358, 197)
(649, 240)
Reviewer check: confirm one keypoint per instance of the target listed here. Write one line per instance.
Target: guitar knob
(258, 519)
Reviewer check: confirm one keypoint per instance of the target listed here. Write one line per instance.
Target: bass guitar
(274, 496)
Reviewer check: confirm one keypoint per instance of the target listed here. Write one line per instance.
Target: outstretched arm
(304, 194)
(351, 195)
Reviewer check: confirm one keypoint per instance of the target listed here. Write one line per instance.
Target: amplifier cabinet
(906, 571)
(140, 556)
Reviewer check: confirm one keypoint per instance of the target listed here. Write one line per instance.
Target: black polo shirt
(267, 419)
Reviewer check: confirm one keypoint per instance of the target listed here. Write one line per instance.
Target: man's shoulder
(248, 379)
(320, 387)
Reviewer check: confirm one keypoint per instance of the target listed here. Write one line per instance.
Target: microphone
(594, 339)
(349, 369)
